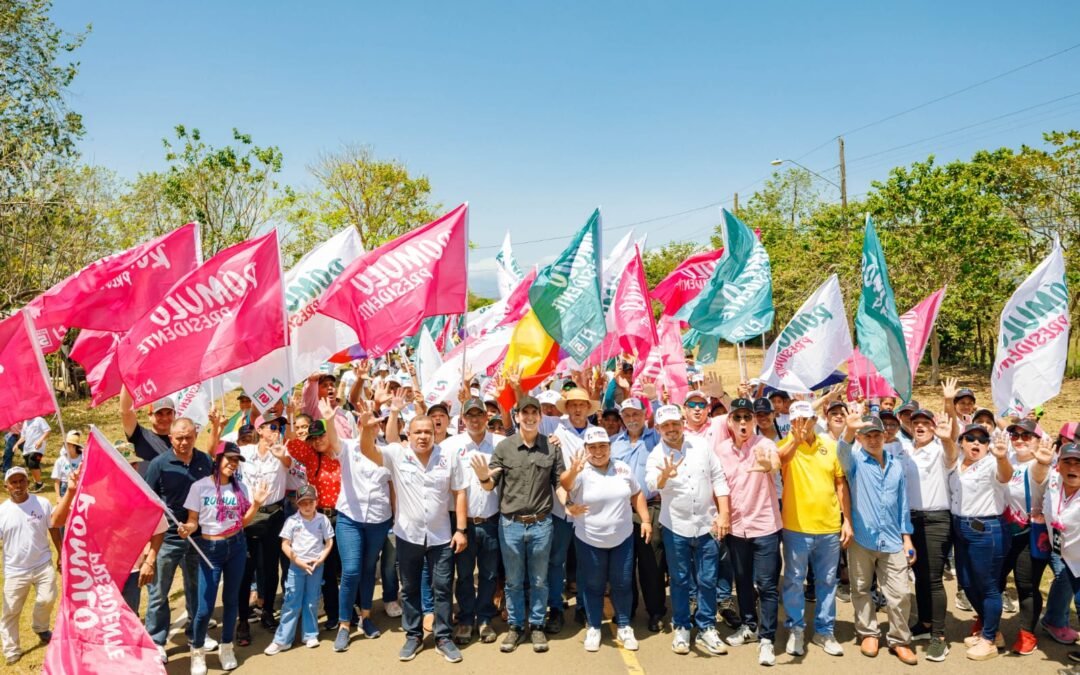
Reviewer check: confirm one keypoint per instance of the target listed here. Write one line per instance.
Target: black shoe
(808, 593)
(554, 623)
(539, 640)
(579, 616)
(511, 640)
(656, 624)
(729, 613)
(268, 621)
(243, 634)
(330, 625)
(45, 636)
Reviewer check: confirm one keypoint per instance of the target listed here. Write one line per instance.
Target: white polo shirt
(926, 475)
(609, 520)
(571, 442)
(1062, 519)
(265, 469)
(975, 491)
(423, 492)
(24, 532)
(365, 487)
(687, 500)
(482, 503)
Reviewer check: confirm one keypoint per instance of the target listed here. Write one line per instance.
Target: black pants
(264, 546)
(650, 567)
(1027, 573)
(932, 530)
(331, 574)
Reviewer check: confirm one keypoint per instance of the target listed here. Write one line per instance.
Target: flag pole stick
(465, 315)
(285, 325)
(31, 331)
(191, 540)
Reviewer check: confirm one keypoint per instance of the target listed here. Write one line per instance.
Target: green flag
(736, 303)
(566, 294)
(877, 324)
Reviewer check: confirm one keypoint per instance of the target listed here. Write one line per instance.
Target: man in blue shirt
(882, 526)
(633, 446)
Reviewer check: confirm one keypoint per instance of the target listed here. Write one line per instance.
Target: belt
(655, 501)
(329, 513)
(978, 519)
(476, 520)
(528, 518)
(271, 508)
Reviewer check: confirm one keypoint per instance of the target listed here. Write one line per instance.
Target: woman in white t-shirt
(1061, 508)
(219, 508)
(601, 492)
(978, 484)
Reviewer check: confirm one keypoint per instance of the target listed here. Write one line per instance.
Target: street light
(778, 162)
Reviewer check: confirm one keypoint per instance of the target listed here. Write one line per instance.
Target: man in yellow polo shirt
(815, 493)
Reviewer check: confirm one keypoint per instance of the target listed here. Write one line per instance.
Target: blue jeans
(477, 601)
(526, 549)
(725, 576)
(756, 564)
(598, 567)
(131, 592)
(822, 553)
(388, 568)
(692, 559)
(174, 552)
(562, 531)
(9, 450)
(301, 603)
(359, 545)
(979, 556)
(228, 557)
(440, 560)
(1060, 595)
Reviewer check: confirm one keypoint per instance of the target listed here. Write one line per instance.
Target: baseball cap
(834, 405)
(802, 410)
(963, 393)
(984, 411)
(229, 449)
(1068, 430)
(495, 419)
(741, 404)
(473, 404)
(975, 429)
(887, 413)
(668, 413)
(1028, 426)
(909, 407)
(568, 385)
(445, 408)
(317, 428)
(306, 492)
(596, 435)
(241, 396)
(163, 404)
(527, 402)
(696, 393)
(259, 421)
(548, 397)
(74, 437)
(245, 429)
(14, 471)
(1067, 450)
(762, 405)
(327, 377)
(631, 404)
(923, 412)
(781, 393)
(871, 423)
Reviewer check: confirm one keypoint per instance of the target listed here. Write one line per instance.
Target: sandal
(243, 634)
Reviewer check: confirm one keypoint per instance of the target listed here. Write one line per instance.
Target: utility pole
(843, 176)
(735, 206)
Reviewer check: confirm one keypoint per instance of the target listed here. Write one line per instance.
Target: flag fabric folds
(686, 281)
(507, 272)
(25, 388)
(877, 324)
(385, 294)
(95, 351)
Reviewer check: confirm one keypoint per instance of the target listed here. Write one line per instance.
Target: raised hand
(948, 388)
(367, 419)
(1044, 454)
(578, 462)
(363, 367)
(381, 394)
(648, 388)
(943, 426)
(854, 421)
(670, 469)
(513, 376)
(326, 410)
(762, 459)
(217, 420)
(999, 444)
(622, 382)
(481, 468)
(397, 401)
(714, 385)
(278, 451)
(262, 491)
(744, 389)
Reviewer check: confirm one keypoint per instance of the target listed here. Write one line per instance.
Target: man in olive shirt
(526, 469)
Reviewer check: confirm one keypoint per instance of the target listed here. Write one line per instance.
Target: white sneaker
(795, 642)
(625, 635)
(765, 655)
(312, 643)
(742, 636)
(1008, 605)
(711, 639)
(275, 648)
(198, 661)
(680, 643)
(962, 602)
(227, 656)
(592, 639)
(392, 609)
(209, 644)
(829, 644)
(162, 654)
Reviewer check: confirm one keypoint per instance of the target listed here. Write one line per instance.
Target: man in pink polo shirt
(750, 462)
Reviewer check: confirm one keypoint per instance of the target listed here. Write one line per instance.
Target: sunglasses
(273, 426)
(975, 438)
(697, 405)
(742, 418)
(1023, 436)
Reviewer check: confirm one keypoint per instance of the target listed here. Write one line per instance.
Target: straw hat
(577, 394)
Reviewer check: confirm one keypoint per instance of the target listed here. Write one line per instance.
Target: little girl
(307, 538)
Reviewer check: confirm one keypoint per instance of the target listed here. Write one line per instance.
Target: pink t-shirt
(755, 509)
(714, 432)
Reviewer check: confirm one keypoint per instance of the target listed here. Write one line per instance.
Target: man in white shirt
(34, 434)
(25, 534)
(427, 480)
(694, 505)
(476, 602)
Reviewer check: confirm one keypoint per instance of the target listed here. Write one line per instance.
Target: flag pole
(31, 330)
(191, 540)
(285, 325)
(465, 315)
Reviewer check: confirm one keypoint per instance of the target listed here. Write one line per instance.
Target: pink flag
(686, 281)
(864, 381)
(25, 388)
(227, 313)
(517, 303)
(674, 375)
(95, 351)
(634, 323)
(114, 292)
(112, 517)
(385, 294)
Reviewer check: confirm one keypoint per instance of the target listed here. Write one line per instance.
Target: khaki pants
(16, 588)
(892, 578)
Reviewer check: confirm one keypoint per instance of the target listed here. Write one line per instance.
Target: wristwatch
(461, 531)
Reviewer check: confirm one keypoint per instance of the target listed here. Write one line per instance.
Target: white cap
(596, 435)
(697, 393)
(403, 379)
(632, 404)
(549, 397)
(801, 410)
(14, 471)
(668, 413)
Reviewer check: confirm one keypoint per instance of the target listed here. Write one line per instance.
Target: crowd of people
(592, 488)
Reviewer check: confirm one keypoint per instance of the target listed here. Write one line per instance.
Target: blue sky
(538, 112)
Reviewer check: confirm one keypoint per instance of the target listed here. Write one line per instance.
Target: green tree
(660, 262)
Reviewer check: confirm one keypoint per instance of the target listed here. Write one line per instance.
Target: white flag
(480, 354)
(814, 342)
(1033, 339)
(507, 272)
(428, 358)
(313, 337)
